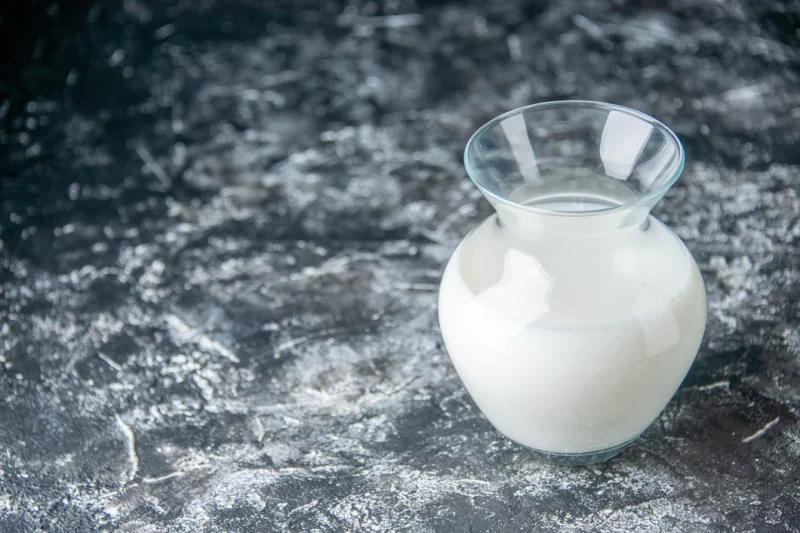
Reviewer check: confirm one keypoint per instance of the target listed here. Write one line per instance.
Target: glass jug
(572, 315)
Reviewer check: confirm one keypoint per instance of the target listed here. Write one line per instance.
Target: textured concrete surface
(223, 225)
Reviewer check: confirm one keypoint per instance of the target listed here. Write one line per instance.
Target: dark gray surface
(224, 223)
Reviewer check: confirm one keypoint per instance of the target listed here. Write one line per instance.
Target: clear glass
(574, 158)
(572, 315)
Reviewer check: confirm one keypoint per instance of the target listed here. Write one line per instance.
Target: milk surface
(571, 333)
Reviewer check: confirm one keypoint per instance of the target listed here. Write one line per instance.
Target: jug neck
(538, 225)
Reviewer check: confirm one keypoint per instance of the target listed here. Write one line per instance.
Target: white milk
(571, 336)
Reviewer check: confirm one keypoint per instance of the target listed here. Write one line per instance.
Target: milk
(572, 333)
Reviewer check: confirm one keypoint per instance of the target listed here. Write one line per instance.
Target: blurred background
(223, 226)
(255, 83)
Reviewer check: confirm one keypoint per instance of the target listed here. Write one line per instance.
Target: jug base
(580, 459)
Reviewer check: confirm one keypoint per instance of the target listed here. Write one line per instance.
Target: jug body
(572, 348)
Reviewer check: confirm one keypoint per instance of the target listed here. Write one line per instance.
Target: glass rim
(656, 193)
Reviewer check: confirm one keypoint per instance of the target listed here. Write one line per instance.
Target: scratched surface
(223, 225)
